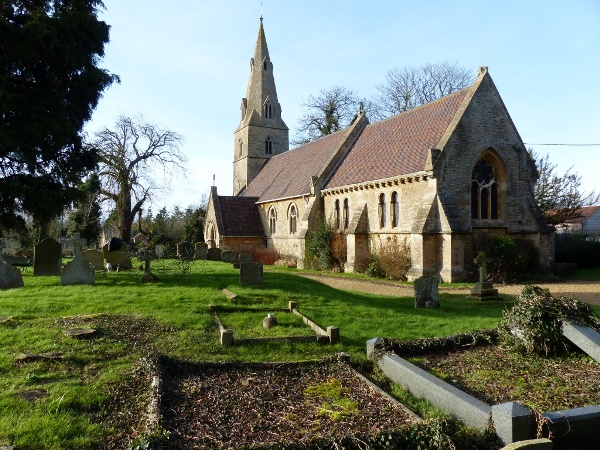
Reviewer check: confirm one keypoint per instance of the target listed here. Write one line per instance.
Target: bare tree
(410, 87)
(559, 195)
(331, 110)
(131, 156)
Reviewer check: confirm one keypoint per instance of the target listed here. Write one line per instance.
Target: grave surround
(573, 429)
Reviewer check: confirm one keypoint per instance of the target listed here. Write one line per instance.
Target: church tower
(262, 133)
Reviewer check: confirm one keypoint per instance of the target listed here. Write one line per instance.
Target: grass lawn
(172, 318)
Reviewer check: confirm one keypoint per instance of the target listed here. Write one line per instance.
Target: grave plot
(227, 405)
(528, 364)
(254, 324)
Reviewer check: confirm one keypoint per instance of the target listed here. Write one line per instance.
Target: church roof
(398, 145)
(240, 216)
(289, 174)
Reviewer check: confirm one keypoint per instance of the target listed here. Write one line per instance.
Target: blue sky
(185, 67)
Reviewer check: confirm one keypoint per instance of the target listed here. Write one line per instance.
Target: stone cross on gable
(77, 242)
(482, 261)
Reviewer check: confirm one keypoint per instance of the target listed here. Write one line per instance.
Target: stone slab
(471, 411)
(586, 338)
(10, 277)
(530, 444)
(47, 257)
(78, 271)
(251, 273)
(78, 332)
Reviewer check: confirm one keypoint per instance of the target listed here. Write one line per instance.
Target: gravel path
(586, 291)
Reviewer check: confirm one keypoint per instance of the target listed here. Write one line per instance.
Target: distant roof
(398, 145)
(240, 216)
(584, 213)
(289, 174)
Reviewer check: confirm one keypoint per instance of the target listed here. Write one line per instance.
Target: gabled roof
(398, 145)
(240, 216)
(584, 213)
(289, 174)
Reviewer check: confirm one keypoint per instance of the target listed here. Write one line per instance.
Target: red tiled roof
(240, 216)
(584, 213)
(289, 174)
(398, 145)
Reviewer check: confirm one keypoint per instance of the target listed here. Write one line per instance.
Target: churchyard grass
(172, 318)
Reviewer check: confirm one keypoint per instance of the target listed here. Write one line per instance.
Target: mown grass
(77, 386)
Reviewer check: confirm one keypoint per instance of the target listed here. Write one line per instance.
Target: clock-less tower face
(262, 133)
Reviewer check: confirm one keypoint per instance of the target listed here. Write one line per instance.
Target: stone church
(440, 176)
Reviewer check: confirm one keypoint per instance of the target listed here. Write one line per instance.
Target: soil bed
(236, 405)
(495, 376)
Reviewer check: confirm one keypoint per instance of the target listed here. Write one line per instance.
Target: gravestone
(228, 256)
(201, 250)
(159, 250)
(184, 250)
(116, 254)
(10, 277)
(77, 271)
(270, 321)
(95, 257)
(484, 290)
(214, 254)
(47, 257)
(251, 273)
(148, 276)
(426, 292)
(242, 258)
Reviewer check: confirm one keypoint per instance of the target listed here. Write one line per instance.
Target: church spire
(262, 133)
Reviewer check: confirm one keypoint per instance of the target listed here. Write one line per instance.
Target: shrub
(287, 261)
(534, 323)
(318, 247)
(394, 257)
(338, 249)
(392, 260)
(512, 259)
(267, 256)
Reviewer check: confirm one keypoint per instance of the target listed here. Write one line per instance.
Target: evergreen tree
(50, 83)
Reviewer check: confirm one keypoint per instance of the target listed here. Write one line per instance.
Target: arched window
(485, 191)
(268, 110)
(272, 221)
(394, 209)
(336, 214)
(346, 213)
(381, 210)
(268, 147)
(293, 219)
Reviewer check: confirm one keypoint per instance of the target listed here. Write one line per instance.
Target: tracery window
(272, 221)
(394, 209)
(346, 213)
(382, 211)
(485, 192)
(293, 219)
(268, 147)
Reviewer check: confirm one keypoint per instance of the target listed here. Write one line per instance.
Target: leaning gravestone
(77, 271)
(47, 257)
(95, 257)
(426, 292)
(116, 254)
(201, 250)
(251, 273)
(228, 256)
(214, 254)
(10, 277)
